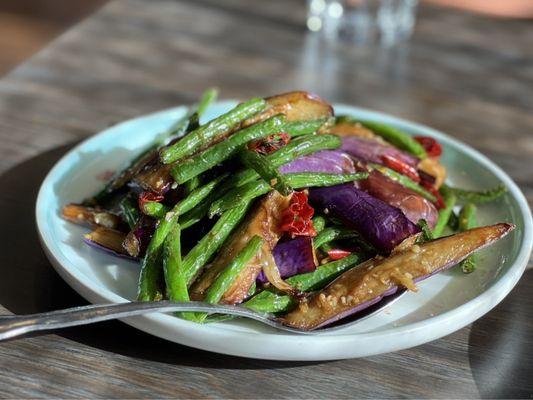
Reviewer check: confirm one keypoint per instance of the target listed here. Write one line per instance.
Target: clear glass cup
(363, 21)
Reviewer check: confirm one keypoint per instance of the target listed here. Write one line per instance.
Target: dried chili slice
(296, 218)
(401, 166)
(337, 254)
(432, 147)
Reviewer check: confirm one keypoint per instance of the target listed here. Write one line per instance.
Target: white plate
(444, 303)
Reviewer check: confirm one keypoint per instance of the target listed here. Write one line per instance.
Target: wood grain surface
(469, 76)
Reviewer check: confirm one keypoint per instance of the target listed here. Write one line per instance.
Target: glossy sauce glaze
(375, 278)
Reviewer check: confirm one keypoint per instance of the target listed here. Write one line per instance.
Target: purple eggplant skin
(327, 161)
(98, 246)
(137, 240)
(107, 240)
(372, 150)
(366, 284)
(293, 257)
(380, 224)
(414, 206)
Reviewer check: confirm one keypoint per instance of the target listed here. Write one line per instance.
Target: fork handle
(15, 325)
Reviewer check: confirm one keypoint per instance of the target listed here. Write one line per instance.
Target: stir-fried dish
(283, 207)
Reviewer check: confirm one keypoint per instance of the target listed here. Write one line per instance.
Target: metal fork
(16, 325)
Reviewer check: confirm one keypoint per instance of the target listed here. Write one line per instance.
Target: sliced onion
(272, 274)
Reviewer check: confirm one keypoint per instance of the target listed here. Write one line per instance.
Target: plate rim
(163, 325)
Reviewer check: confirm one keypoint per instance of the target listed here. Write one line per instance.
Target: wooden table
(469, 76)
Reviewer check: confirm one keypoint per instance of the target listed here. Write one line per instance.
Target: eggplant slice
(366, 284)
(264, 222)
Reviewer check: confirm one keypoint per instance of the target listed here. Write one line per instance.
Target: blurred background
(28, 25)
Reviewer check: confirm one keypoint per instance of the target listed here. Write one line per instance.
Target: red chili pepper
(337, 254)
(296, 218)
(432, 147)
(434, 191)
(401, 166)
(270, 143)
(145, 197)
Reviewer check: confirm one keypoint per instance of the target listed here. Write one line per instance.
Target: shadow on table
(29, 284)
(501, 346)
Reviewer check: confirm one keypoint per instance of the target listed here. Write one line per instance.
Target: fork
(16, 325)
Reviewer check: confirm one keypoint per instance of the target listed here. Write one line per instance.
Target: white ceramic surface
(444, 303)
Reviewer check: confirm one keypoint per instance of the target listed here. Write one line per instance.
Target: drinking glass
(363, 21)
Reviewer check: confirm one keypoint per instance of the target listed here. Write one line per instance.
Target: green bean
(266, 171)
(427, 235)
(270, 301)
(303, 146)
(330, 234)
(129, 210)
(469, 264)
(232, 271)
(246, 192)
(194, 122)
(155, 209)
(327, 247)
(173, 266)
(191, 121)
(207, 159)
(255, 189)
(227, 276)
(345, 119)
(334, 233)
(208, 97)
(200, 211)
(149, 288)
(214, 129)
(404, 181)
(467, 217)
(192, 184)
(397, 137)
(298, 128)
(196, 214)
(444, 214)
(197, 195)
(483, 196)
(319, 222)
(468, 220)
(319, 179)
(453, 222)
(296, 148)
(200, 254)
